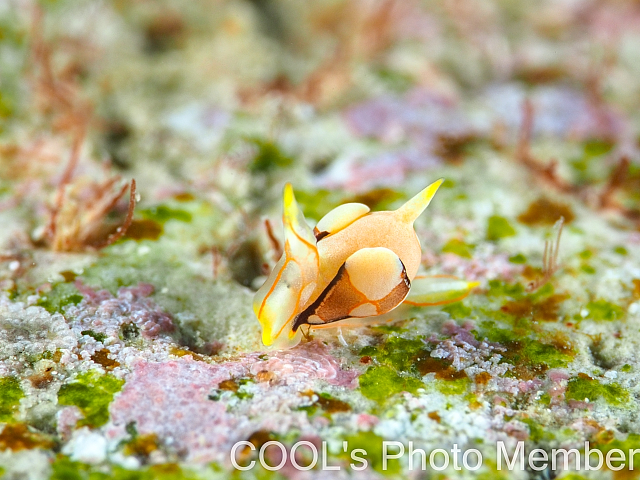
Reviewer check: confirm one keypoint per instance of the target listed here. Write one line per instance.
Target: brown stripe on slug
(327, 305)
(340, 298)
(319, 235)
(397, 295)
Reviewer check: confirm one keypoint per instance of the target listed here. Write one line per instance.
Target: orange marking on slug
(275, 282)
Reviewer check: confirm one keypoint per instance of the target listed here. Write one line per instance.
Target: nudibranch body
(354, 264)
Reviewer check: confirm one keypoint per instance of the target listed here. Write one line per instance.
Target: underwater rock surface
(128, 344)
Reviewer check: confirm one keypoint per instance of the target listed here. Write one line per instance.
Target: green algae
(583, 388)
(458, 386)
(48, 355)
(316, 204)
(401, 363)
(411, 356)
(458, 311)
(395, 81)
(257, 473)
(389, 329)
(61, 295)
(399, 353)
(242, 392)
(10, 395)
(494, 474)
(142, 446)
(530, 356)
(596, 147)
(518, 259)
(545, 399)
(586, 254)
(442, 369)
(573, 476)
(458, 247)
(535, 353)
(587, 269)
(63, 468)
(601, 310)
(91, 393)
(6, 109)
(620, 250)
(537, 432)
(503, 289)
(164, 213)
(99, 337)
(331, 404)
(68, 275)
(371, 443)
(379, 383)
(149, 223)
(627, 445)
(626, 368)
(498, 228)
(268, 157)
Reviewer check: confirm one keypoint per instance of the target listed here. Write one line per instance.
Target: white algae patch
(26, 333)
(86, 446)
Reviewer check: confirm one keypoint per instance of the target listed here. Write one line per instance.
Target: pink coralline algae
(420, 116)
(413, 128)
(309, 360)
(180, 401)
(558, 111)
(67, 418)
(388, 168)
(102, 312)
(485, 265)
(468, 354)
(171, 400)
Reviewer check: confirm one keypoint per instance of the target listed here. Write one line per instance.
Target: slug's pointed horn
(296, 229)
(411, 210)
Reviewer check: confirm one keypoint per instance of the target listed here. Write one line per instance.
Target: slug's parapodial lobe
(371, 282)
(293, 279)
(392, 230)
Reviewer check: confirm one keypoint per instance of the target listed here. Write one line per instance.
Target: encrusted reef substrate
(128, 344)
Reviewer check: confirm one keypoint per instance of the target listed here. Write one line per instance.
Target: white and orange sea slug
(354, 265)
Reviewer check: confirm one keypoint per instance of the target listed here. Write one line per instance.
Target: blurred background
(367, 100)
